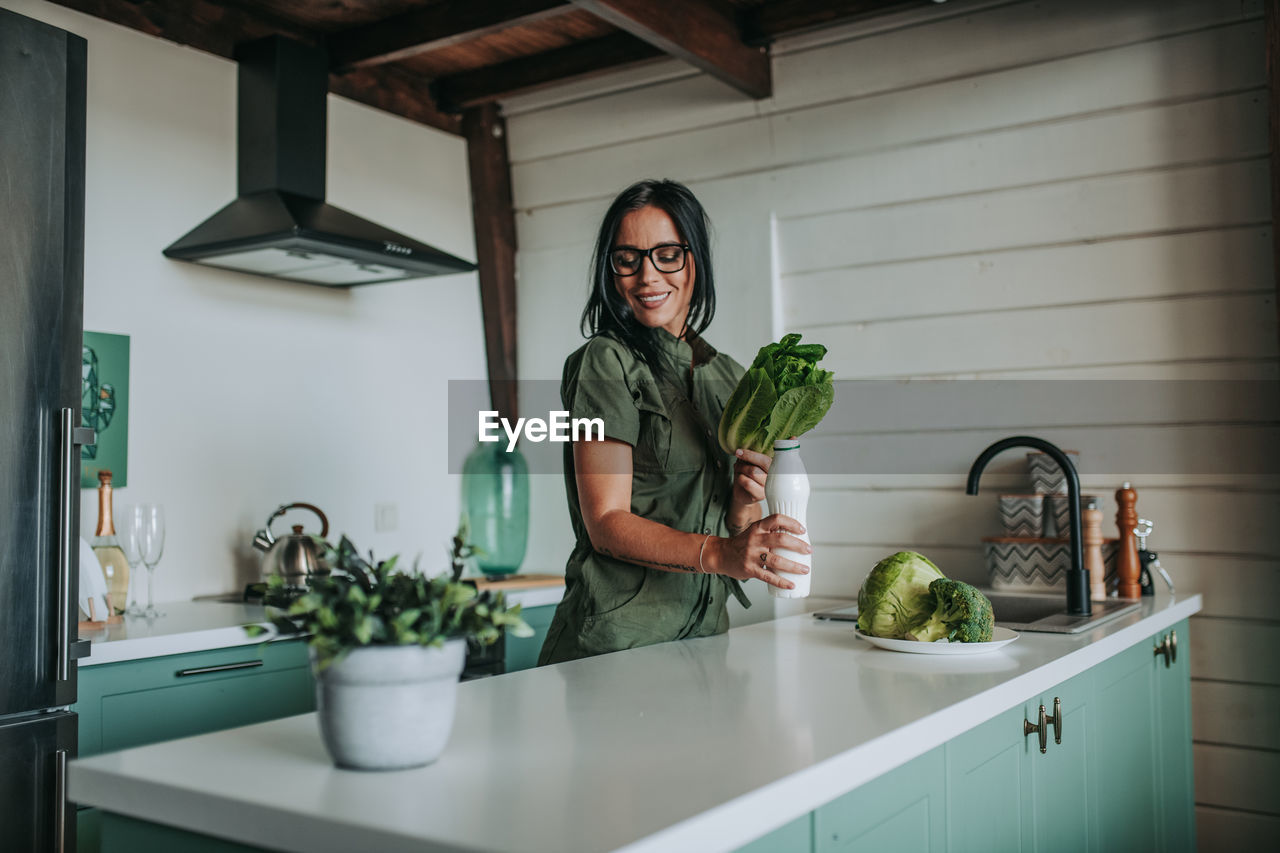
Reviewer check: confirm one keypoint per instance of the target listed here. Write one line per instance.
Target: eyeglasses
(667, 257)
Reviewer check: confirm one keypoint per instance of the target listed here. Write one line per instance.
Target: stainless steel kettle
(298, 556)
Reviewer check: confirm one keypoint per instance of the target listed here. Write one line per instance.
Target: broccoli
(961, 614)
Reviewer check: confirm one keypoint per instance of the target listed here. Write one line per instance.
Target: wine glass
(129, 530)
(148, 520)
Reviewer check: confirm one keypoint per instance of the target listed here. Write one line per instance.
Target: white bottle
(787, 492)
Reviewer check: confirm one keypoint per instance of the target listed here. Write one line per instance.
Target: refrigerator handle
(71, 438)
(60, 803)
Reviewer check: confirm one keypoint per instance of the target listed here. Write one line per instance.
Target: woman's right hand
(750, 553)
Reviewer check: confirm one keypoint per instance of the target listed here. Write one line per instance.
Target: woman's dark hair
(607, 312)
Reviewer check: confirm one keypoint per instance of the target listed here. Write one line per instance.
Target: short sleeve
(598, 383)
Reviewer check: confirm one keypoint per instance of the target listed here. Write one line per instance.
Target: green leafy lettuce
(784, 394)
(895, 595)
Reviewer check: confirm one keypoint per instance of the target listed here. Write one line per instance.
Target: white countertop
(186, 626)
(197, 626)
(695, 745)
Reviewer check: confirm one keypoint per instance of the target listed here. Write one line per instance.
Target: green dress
(680, 477)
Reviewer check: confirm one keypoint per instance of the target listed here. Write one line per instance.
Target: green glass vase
(495, 496)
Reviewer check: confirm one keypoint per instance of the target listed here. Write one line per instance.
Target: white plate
(1000, 637)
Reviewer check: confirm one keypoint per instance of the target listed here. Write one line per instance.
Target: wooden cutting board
(516, 582)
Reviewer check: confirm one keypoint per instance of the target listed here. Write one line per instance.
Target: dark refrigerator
(42, 139)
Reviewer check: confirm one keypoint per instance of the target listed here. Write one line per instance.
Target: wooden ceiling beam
(394, 91)
(493, 217)
(439, 25)
(202, 24)
(485, 85)
(762, 24)
(217, 29)
(700, 32)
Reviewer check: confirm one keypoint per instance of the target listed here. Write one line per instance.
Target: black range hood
(279, 225)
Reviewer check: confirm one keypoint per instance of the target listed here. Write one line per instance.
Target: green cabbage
(895, 595)
(784, 394)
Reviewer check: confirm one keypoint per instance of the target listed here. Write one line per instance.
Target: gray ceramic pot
(389, 707)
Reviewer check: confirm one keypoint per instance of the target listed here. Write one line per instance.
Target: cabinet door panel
(903, 810)
(1124, 754)
(985, 784)
(522, 652)
(112, 694)
(148, 716)
(1058, 814)
(795, 837)
(1173, 701)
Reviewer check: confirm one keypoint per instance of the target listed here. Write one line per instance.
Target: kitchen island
(703, 744)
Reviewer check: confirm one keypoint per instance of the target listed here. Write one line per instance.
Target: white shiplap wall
(1055, 190)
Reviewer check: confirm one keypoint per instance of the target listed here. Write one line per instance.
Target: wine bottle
(106, 547)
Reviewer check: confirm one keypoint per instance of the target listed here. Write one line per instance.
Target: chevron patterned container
(1058, 508)
(1022, 515)
(1046, 477)
(1035, 565)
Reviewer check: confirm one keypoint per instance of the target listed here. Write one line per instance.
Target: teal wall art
(104, 406)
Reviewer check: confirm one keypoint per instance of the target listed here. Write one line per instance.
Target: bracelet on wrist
(702, 568)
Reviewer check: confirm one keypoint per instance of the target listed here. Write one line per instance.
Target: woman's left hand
(749, 475)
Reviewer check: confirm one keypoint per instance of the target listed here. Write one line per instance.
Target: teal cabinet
(903, 811)
(987, 766)
(1172, 690)
(144, 701)
(1056, 811)
(522, 652)
(794, 837)
(1127, 806)
(1003, 793)
(133, 703)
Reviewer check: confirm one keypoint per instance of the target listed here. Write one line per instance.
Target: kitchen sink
(1048, 613)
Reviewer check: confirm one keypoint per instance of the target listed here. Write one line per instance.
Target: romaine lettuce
(784, 394)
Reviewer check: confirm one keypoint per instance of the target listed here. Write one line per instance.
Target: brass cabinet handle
(1042, 728)
(1173, 646)
(1056, 720)
(1162, 648)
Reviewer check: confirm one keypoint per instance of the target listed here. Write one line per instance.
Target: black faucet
(1077, 577)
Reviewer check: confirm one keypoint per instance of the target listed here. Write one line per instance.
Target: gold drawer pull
(1056, 720)
(1162, 648)
(1042, 729)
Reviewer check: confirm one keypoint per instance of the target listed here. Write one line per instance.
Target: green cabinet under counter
(1115, 773)
(137, 702)
(143, 701)
(522, 652)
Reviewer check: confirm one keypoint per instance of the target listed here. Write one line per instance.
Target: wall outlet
(386, 517)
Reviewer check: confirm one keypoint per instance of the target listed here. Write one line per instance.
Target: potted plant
(387, 649)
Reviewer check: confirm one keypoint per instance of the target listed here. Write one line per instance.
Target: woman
(667, 524)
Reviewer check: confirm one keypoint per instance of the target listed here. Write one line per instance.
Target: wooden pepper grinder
(1093, 549)
(1128, 567)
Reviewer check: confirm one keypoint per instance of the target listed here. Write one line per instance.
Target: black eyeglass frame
(648, 253)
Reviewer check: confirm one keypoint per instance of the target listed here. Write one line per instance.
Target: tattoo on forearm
(671, 567)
